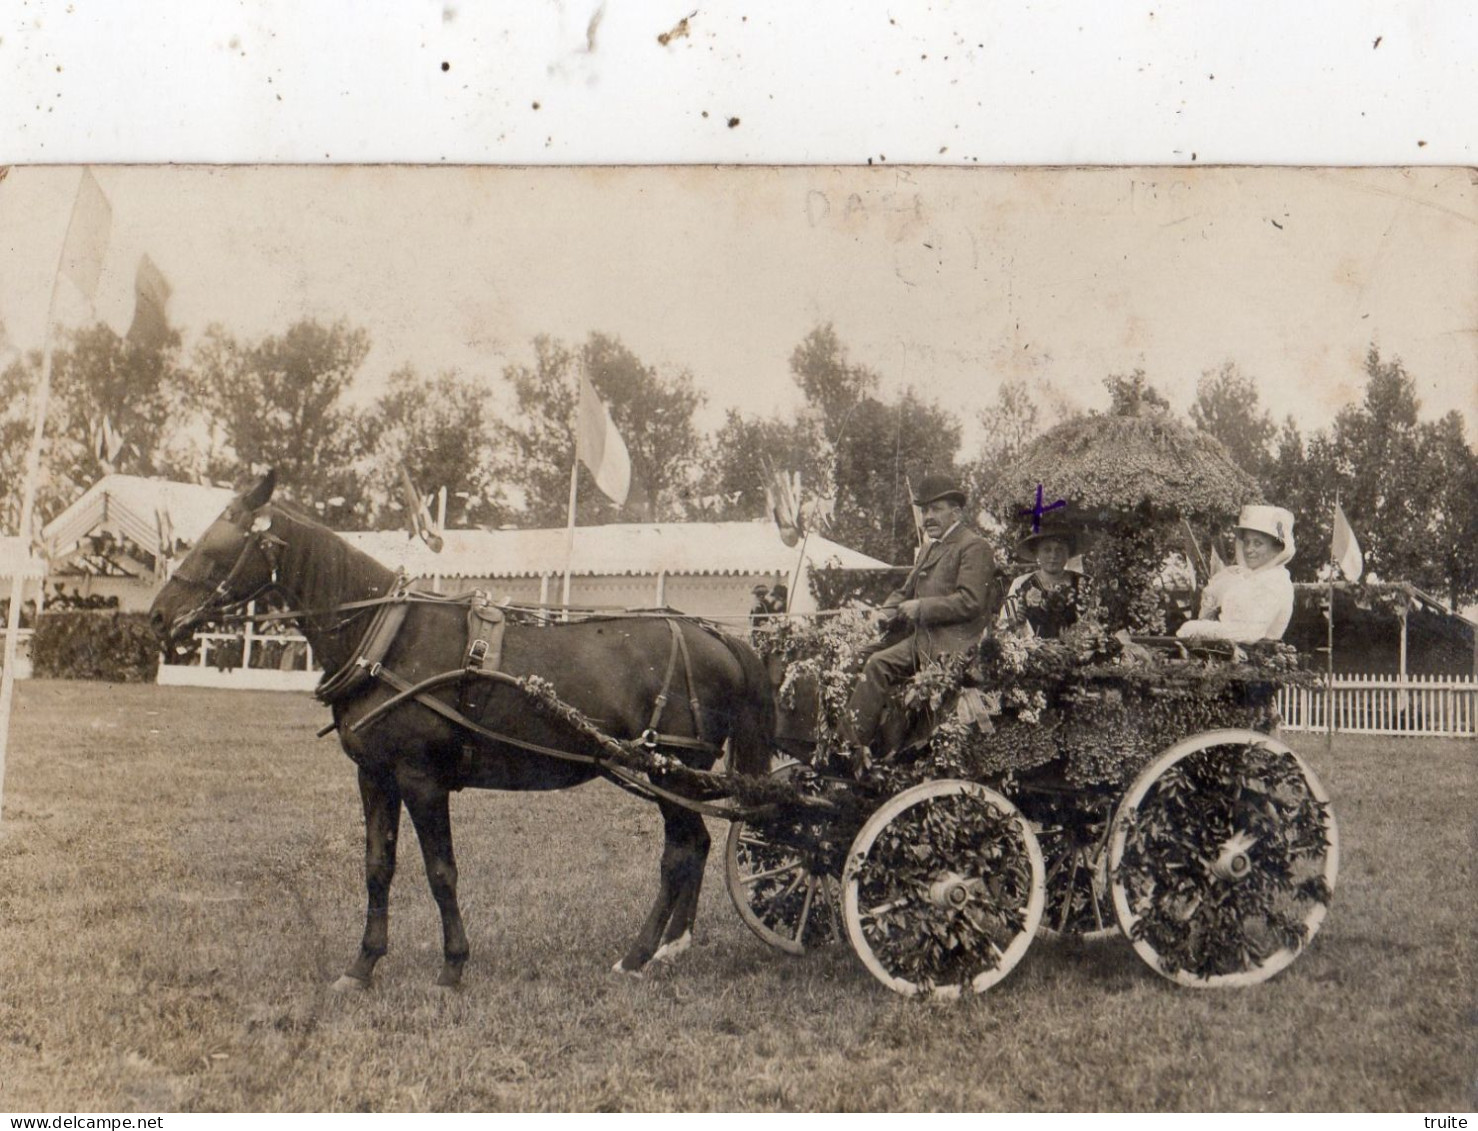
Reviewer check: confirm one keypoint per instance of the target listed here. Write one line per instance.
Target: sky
(950, 281)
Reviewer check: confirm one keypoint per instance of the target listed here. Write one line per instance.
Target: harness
(482, 656)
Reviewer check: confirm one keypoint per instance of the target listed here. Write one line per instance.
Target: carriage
(1069, 787)
(1096, 786)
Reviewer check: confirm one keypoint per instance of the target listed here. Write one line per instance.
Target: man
(943, 607)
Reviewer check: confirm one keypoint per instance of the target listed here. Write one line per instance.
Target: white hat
(1275, 522)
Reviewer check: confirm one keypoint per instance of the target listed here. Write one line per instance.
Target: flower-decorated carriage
(1078, 786)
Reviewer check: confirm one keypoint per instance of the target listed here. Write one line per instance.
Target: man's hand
(909, 610)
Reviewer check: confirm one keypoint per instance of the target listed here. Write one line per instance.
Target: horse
(414, 750)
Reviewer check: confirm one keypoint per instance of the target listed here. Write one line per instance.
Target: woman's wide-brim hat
(1275, 522)
(932, 488)
(1061, 529)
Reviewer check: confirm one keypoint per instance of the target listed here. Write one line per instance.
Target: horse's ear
(261, 491)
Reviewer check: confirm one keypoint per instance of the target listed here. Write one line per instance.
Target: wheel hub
(1233, 863)
(950, 890)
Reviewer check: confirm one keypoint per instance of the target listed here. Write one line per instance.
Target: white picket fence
(1425, 705)
(289, 662)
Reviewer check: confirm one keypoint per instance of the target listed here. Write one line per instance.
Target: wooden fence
(1431, 705)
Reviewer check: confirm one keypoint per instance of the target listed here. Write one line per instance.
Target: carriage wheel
(783, 880)
(1073, 831)
(943, 889)
(1223, 859)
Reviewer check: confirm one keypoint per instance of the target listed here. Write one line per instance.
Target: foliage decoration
(1205, 925)
(930, 941)
(1082, 704)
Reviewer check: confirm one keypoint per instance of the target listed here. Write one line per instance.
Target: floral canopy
(1130, 479)
(1109, 466)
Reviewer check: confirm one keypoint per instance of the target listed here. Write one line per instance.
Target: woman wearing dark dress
(1050, 598)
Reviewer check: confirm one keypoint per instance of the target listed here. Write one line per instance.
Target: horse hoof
(670, 950)
(347, 984)
(450, 980)
(620, 968)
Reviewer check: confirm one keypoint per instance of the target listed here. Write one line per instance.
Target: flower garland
(1083, 703)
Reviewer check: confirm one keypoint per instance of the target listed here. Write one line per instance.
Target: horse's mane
(321, 567)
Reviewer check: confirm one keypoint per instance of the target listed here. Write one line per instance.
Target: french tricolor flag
(600, 446)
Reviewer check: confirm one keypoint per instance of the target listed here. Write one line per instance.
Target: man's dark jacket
(953, 584)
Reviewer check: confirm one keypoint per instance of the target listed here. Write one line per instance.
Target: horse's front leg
(669, 927)
(381, 798)
(429, 812)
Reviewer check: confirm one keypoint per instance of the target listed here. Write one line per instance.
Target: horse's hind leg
(669, 926)
(381, 800)
(432, 818)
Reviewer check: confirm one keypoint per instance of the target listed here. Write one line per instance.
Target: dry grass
(180, 880)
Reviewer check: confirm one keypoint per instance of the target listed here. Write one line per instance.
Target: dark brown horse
(611, 669)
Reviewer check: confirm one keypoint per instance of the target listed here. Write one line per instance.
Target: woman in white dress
(1252, 600)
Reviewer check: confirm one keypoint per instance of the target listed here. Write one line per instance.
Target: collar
(945, 535)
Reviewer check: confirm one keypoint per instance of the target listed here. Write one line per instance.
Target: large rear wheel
(1223, 859)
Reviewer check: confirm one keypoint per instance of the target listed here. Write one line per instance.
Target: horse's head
(234, 562)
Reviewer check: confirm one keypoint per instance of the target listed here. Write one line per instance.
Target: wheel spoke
(756, 877)
(800, 930)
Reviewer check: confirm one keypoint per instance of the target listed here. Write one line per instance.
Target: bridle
(256, 537)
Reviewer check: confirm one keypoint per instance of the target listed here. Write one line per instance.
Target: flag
(1193, 549)
(113, 441)
(819, 513)
(87, 236)
(165, 553)
(781, 493)
(1344, 549)
(151, 291)
(600, 447)
(418, 514)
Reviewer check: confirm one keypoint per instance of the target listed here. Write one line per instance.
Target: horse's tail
(752, 730)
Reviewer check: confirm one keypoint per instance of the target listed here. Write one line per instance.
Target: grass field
(181, 879)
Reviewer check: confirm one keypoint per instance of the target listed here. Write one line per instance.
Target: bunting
(782, 492)
(418, 513)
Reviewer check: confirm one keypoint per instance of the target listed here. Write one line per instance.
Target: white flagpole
(570, 518)
(28, 507)
(570, 530)
(1329, 651)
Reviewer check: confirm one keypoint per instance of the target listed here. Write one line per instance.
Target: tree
(17, 385)
(831, 383)
(848, 445)
(439, 429)
(277, 402)
(1227, 407)
(732, 484)
(111, 408)
(653, 413)
(1449, 486)
(1008, 426)
(1131, 394)
(1409, 488)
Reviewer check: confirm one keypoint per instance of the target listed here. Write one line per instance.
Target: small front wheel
(943, 889)
(782, 877)
(1223, 859)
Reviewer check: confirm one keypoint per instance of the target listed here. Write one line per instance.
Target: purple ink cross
(1039, 510)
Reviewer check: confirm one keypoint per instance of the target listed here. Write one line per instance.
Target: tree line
(1408, 486)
